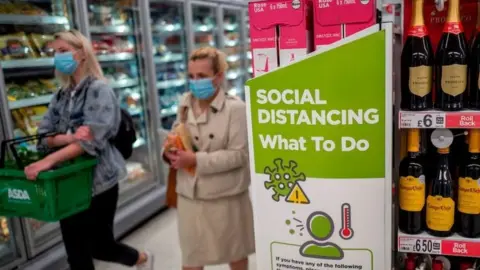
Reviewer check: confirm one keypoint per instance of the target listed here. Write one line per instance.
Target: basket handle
(12, 142)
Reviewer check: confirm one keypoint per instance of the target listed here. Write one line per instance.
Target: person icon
(320, 226)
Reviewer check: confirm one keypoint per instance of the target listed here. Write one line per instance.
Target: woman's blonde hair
(91, 66)
(217, 57)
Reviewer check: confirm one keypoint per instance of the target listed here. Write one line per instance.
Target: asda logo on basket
(18, 194)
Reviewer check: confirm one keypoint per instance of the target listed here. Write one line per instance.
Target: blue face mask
(65, 63)
(202, 88)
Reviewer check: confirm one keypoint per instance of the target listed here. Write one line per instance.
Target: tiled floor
(160, 236)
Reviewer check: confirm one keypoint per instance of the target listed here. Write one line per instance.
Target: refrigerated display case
(26, 28)
(248, 51)
(170, 54)
(205, 23)
(114, 31)
(233, 45)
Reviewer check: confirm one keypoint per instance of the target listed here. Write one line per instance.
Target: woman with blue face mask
(86, 115)
(215, 220)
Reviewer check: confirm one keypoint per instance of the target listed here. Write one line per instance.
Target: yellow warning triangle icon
(297, 195)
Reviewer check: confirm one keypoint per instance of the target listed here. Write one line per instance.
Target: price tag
(422, 120)
(419, 245)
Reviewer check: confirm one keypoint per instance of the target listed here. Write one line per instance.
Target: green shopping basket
(56, 194)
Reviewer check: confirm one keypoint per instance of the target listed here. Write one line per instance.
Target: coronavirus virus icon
(282, 178)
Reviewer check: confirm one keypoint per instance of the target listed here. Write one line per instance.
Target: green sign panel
(327, 111)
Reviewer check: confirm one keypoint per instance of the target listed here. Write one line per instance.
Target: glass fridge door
(12, 251)
(233, 48)
(116, 38)
(26, 28)
(170, 54)
(204, 24)
(248, 51)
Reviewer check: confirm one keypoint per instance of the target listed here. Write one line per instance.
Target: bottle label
(418, 31)
(440, 213)
(420, 81)
(412, 193)
(454, 79)
(453, 28)
(469, 195)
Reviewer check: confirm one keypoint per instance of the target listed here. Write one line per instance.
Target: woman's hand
(83, 133)
(32, 170)
(183, 159)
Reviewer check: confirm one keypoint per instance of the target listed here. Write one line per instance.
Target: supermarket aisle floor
(160, 236)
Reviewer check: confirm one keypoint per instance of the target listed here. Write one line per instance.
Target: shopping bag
(171, 188)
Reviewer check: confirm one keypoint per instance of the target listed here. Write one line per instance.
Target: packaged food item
(29, 9)
(135, 171)
(15, 46)
(4, 230)
(50, 85)
(41, 45)
(6, 7)
(33, 117)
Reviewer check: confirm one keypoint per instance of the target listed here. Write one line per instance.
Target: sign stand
(320, 133)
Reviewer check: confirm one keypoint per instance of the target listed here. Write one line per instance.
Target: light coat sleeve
(102, 116)
(236, 153)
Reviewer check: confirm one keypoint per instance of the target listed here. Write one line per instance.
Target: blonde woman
(215, 219)
(86, 114)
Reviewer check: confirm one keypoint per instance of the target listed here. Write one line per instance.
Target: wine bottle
(417, 64)
(410, 264)
(437, 265)
(412, 187)
(451, 63)
(474, 68)
(440, 200)
(469, 189)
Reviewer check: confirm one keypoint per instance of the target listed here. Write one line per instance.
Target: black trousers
(88, 235)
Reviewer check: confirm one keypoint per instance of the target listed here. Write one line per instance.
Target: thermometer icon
(346, 232)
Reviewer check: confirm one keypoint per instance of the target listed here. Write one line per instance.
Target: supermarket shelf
(204, 28)
(32, 19)
(114, 29)
(233, 58)
(167, 112)
(171, 57)
(231, 26)
(27, 63)
(439, 119)
(169, 29)
(135, 112)
(124, 83)
(139, 142)
(28, 102)
(115, 57)
(450, 246)
(171, 83)
(232, 43)
(234, 74)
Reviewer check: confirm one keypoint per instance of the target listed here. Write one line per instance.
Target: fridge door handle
(151, 76)
(81, 15)
(6, 124)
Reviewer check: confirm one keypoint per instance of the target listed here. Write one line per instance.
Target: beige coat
(220, 135)
(215, 219)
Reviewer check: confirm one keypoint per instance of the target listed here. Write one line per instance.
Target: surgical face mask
(202, 88)
(65, 63)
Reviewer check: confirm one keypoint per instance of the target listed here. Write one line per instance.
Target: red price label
(460, 248)
(463, 120)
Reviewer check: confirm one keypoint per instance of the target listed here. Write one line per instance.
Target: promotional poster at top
(285, 31)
